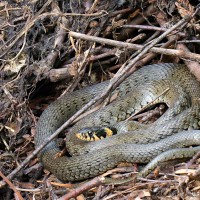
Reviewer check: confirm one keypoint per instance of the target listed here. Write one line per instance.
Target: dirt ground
(51, 47)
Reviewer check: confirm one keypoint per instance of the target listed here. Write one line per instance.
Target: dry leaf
(184, 8)
(15, 66)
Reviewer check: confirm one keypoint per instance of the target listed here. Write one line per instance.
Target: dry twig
(125, 45)
(11, 186)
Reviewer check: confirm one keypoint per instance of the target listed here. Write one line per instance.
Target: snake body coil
(168, 83)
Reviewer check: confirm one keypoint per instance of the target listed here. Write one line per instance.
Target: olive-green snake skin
(168, 83)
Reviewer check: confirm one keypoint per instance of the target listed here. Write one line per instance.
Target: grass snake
(176, 129)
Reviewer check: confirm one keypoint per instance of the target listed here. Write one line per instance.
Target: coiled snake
(170, 131)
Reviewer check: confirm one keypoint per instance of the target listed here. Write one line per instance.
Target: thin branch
(11, 186)
(84, 187)
(193, 159)
(189, 41)
(155, 28)
(126, 45)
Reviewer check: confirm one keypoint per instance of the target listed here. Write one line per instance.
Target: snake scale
(176, 129)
